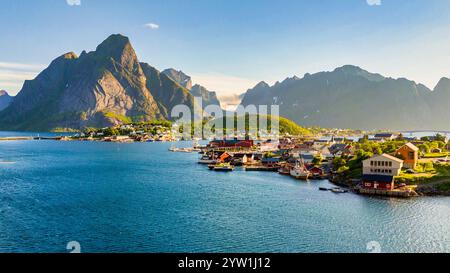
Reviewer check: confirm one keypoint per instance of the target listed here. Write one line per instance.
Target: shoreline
(415, 190)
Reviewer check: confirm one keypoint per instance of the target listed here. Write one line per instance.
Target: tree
(339, 162)
(424, 148)
(317, 160)
(378, 151)
(440, 137)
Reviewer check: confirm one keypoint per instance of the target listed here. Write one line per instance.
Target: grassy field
(427, 174)
(436, 155)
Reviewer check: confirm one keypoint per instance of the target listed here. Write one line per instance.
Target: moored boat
(300, 173)
(207, 160)
(285, 170)
(223, 167)
(338, 190)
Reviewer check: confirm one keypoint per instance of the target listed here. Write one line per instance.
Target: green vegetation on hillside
(286, 126)
(122, 118)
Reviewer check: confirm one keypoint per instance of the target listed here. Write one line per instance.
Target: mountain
(209, 97)
(179, 77)
(351, 97)
(5, 99)
(97, 89)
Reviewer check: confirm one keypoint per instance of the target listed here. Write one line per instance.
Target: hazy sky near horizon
(230, 45)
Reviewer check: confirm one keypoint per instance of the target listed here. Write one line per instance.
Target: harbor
(410, 166)
(176, 204)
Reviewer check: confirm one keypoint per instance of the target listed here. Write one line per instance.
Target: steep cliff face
(167, 92)
(208, 97)
(5, 99)
(179, 77)
(98, 89)
(350, 97)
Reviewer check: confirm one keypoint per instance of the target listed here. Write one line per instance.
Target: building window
(411, 155)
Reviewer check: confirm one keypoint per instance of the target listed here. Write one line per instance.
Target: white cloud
(20, 66)
(374, 2)
(73, 2)
(12, 75)
(226, 86)
(152, 26)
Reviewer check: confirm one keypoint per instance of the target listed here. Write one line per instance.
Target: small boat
(338, 190)
(324, 189)
(207, 160)
(284, 170)
(300, 171)
(223, 167)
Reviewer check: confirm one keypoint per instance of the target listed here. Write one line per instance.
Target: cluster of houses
(129, 133)
(378, 175)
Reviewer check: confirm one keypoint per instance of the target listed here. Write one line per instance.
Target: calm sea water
(141, 198)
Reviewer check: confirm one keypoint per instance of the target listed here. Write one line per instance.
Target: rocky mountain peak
(179, 77)
(353, 70)
(443, 85)
(261, 85)
(118, 48)
(5, 99)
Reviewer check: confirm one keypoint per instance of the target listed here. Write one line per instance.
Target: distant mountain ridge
(97, 89)
(5, 99)
(351, 97)
(179, 77)
(208, 97)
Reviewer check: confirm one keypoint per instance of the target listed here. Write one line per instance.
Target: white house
(382, 165)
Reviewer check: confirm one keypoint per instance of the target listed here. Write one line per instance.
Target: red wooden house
(378, 182)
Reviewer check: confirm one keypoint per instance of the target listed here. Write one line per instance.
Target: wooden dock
(394, 193)
(15, 138)
(261, 169)
(29, 138)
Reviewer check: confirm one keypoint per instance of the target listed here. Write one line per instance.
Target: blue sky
(230, 45)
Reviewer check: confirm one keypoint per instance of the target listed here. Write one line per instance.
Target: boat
(324, 189)
(285, 170)
(223, 167)
(300, 171)
(338, 190)
(207, 160)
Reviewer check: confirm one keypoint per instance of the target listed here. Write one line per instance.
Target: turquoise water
(141, 198)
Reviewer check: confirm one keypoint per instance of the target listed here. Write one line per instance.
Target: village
(384, 164)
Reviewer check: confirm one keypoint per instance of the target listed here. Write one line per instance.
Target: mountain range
(108, 86)
(351, 97)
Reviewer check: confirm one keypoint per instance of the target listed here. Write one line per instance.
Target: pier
(15, 138)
